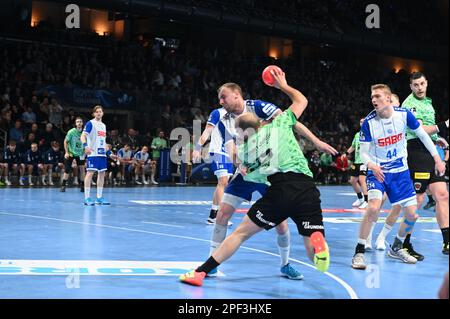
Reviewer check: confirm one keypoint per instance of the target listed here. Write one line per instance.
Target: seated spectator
(11, 161)
(53, 162)
(33, 163)
(29, 116)
(16, 133)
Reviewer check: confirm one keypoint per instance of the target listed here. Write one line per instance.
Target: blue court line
(346, 286)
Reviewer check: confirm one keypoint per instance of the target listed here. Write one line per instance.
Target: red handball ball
(267, 77)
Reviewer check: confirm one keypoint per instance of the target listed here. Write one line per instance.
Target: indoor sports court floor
(51, 246)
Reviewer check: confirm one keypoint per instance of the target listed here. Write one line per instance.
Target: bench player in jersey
(94, 143)
(238, 190)
(383, 151)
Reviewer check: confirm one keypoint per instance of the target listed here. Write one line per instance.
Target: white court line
(164, 224)
(346, 286)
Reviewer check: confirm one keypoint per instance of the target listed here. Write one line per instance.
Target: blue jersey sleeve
(264, 110)
(120, 153)
(88, 127)
(214, 118)
(411, 121)
(364, 134)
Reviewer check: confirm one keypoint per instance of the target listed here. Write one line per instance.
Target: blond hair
(230, 85)
(383, 87)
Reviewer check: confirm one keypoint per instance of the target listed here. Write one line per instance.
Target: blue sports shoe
(290, 272)
(89, 202)
(101, 201)
(212, 272)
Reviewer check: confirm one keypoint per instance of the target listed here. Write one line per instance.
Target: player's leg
(398, 249)
(67, 169)
(363, 185)
(153, 166)
(222, 181)
(284, 248)
(354, 181)
(137, 171)
(231, 244)
(431, 202)
(440, 193)
(101, 165)
(391, 219)
(375, 195)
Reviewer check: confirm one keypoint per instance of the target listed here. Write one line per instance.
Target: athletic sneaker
(138, 182)
(358, 202)
(8, 183)
(212, 272)
(430, 205)
(193, 278)
(63, 188)
(368, 245)
(363, 205)
(89, 202)
(21, 183)
(102, 201)
(358, 261)
(380, 244)
(290, 272)
(154, 182)
(403, 255)
(445, 248)
(414, 253)
(321, 251)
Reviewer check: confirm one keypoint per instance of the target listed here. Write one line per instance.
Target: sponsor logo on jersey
(101, 133)
(386, 141)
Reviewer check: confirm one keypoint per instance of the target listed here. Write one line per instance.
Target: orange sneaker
(193, 278)
(321, 252)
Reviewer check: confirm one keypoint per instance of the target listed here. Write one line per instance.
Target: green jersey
(355, 145)
(273, 149)
(74, 145)
(423, 110)
(157, 145)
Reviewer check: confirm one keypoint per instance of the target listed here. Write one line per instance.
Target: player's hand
(439, 168)
(326, 148)
(87, 150)
(196, 156)
(377, 171)
(66, 155)
(279, 77)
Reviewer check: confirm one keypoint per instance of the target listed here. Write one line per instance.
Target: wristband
(197, 147)
(346, 153)
(85, 145)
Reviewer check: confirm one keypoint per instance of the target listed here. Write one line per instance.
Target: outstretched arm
(299, 101)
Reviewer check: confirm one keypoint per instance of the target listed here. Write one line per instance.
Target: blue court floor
(51, 246)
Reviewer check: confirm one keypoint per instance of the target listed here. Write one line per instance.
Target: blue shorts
(240, 188)
(96, 163)
(221, 165)
(398, 186)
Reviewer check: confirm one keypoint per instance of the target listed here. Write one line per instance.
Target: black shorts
(355, 170)
(421, 167)
(291, 195)
(68, 163)
(11, 166)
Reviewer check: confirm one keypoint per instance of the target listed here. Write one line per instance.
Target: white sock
(214, 207)
(362, 241)
(369, 238)
(87, 190)
(218, 236)
(385, 231)
(284, 247)
(99, 192)
(143, 177)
